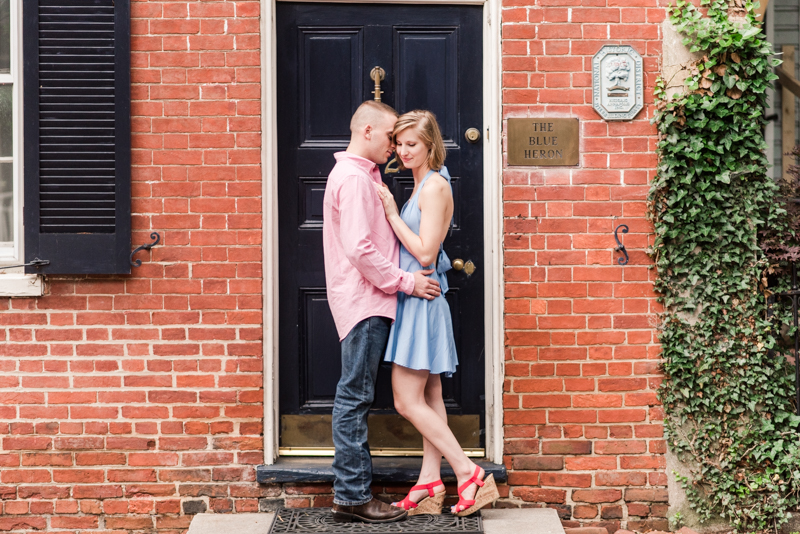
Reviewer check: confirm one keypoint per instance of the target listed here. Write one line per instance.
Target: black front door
(432, 59)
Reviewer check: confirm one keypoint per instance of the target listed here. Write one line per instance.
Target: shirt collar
(362, 163)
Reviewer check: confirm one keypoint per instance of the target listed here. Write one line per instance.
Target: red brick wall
(122, 397)
(127, 402)
(582, 424)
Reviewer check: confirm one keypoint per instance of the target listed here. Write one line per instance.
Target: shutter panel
(77, 148)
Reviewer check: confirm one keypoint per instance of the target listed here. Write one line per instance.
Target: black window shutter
(77, 135)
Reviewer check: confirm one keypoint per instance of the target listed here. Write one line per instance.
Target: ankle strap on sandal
(473, 480)
(428, 487)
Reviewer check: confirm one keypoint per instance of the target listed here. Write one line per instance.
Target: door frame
(492, 214)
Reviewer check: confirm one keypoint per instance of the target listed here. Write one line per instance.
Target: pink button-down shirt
(361, 250)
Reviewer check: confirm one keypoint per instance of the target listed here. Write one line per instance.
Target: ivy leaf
(748, 33)
(735, 93)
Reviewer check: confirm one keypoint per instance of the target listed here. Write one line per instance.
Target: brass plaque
(540, 142)
(390, 433)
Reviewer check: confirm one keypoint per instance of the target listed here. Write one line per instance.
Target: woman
(421, 344)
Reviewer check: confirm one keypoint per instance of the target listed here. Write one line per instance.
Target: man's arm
(355, 216)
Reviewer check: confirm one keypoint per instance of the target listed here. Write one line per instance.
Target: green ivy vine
(728, 388)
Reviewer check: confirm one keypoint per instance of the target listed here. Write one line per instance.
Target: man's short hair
(370, 112)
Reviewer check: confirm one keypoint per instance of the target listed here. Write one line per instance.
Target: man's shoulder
(346, 174)
(347, 183)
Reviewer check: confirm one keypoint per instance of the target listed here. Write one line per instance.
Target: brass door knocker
(377, 75)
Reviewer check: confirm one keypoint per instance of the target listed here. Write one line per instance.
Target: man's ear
(368, 132)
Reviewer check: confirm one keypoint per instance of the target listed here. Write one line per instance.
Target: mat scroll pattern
(320, 521)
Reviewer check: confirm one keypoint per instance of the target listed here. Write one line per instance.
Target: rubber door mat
(320, 521)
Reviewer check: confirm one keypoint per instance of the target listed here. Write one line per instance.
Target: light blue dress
(422, 334)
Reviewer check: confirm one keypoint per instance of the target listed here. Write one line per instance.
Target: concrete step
(521, 521)
(496, 521)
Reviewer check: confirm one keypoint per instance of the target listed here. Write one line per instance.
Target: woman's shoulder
(436, 192)
(436, 185)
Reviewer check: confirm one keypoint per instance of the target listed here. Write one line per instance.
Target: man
(361, 258)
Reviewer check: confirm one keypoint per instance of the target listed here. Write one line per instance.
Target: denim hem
(351, 503)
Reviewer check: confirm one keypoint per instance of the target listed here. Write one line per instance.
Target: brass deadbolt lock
(472, 135)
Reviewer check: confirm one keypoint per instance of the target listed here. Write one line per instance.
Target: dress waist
(410, 264)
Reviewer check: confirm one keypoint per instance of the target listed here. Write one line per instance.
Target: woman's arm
(436, 205)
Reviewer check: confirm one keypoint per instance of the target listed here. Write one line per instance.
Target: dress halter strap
(428, 175)
(443, 172)
(446, 175)
(422, 183)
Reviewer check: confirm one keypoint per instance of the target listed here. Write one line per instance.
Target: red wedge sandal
(432, 504)
(487, 493)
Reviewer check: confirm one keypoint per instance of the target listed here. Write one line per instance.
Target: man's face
(381, 146)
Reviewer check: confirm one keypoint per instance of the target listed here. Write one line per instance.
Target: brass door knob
(468, 267)
(472, 135)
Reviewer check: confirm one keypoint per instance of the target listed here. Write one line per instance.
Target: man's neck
(356, 150)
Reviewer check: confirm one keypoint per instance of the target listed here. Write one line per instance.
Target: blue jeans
(362, 352)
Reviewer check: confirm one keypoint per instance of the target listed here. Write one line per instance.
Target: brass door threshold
(328, 452)
(389, 435)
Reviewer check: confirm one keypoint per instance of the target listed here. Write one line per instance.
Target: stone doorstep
(385, 470)
(495, 521)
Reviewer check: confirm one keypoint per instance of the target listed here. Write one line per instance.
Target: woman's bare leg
(431, 457)
(409, 388)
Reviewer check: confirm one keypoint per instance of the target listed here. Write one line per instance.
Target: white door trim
(492, 210)
(269, 225)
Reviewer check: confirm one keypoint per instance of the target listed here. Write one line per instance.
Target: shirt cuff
(407, 283)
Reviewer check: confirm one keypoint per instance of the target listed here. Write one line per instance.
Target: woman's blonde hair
(428, 130)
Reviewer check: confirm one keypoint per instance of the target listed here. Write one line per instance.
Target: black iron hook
(148, 246)
(620, 247)
(34, 262)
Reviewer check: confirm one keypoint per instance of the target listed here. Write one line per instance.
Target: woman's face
(411, 149)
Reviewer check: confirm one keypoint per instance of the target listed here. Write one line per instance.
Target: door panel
(320, 359)
(427, 75)
(331, 83)
(432, 59)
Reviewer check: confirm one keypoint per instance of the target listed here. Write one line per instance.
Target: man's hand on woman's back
(424, 287)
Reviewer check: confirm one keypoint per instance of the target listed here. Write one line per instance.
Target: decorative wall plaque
(617, 83)
(547, 141)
